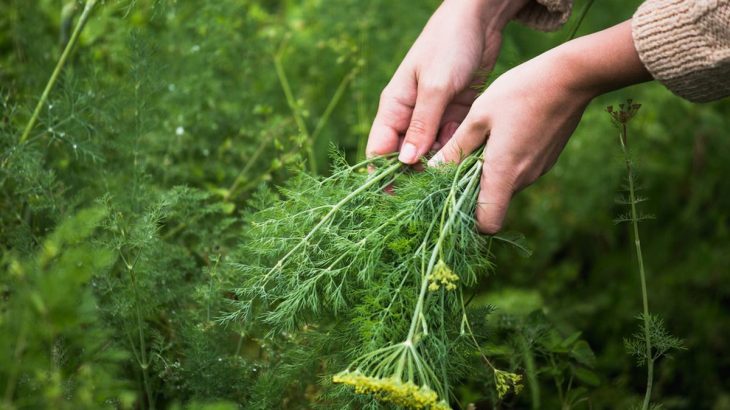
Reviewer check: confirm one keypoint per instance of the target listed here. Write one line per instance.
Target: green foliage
(333, 256)
(55, 350)
(661, 342)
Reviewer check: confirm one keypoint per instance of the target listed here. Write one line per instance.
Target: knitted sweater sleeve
(685, 45)
(545, 15)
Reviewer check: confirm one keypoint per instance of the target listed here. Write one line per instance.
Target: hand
(430, 93)
(529, 113)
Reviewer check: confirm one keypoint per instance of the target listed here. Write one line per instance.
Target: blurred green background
(117, 215)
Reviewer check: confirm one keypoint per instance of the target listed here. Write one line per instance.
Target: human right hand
(527, 115)
(430, 93)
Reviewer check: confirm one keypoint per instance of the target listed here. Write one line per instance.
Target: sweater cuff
(545, 15)
(685, 45)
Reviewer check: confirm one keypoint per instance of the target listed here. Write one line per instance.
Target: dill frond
(332, 248)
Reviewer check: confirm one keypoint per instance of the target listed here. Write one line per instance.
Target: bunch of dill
(385, 273)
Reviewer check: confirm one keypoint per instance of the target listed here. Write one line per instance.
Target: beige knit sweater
(685, 44)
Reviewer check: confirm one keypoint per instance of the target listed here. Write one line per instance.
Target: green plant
(406, 258)
(654, 342)
(167, 128)
(56, 350)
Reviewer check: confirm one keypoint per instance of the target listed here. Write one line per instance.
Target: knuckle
(477, 123)
(490, 216)
(432, 87)
(489, 228)
(499, 173)
(386, 96)
(417, 127)
(531, 175)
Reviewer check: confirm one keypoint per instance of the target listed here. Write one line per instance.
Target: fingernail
(407, 153)
(436, 160)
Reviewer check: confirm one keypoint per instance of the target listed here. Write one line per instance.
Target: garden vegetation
(187, 220)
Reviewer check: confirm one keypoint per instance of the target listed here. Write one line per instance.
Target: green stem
(242, 176)
(466, 328)
(298, 118)
(436, 252)
(531, 372)
(210, 288)
(642, 272)
(143, 362)
(339, 92)
(558, 382)
(57, 71)
(444, 373)
(239, 344)
(17, 354)
(582, 16)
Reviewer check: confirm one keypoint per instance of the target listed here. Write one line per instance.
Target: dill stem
(385, 365)
(437, 250)
(531, 372)
(642, 272)
(284, 82)
(467, 325)
(239, 344)
(210, 288)
(444, 373)
(142, 359)
(581, 17)
(18, 353)
(265, 140)
(364, 240)
(402, 362)
(59, 67)
(339, 92)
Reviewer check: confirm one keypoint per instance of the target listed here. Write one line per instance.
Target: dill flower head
(393, 390)
(506, 381)
(442, 275)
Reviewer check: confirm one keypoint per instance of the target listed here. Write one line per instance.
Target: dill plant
(335, 246)
(654, 341)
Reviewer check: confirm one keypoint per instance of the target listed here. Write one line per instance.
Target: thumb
(469, 136)
(430, 105)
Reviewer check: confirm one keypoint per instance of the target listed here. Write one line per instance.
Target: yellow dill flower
(442, 275)
(392, 390)
(506, 381)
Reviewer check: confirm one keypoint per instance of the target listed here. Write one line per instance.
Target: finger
(383, 138)
(447, 131)
(497, 185)
(430, 105)
(454, 115)
(469, 136)
(468, 95)
(391, 121)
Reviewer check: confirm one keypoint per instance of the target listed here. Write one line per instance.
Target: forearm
(599, 62)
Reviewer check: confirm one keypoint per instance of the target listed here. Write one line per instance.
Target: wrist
(495, 14)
